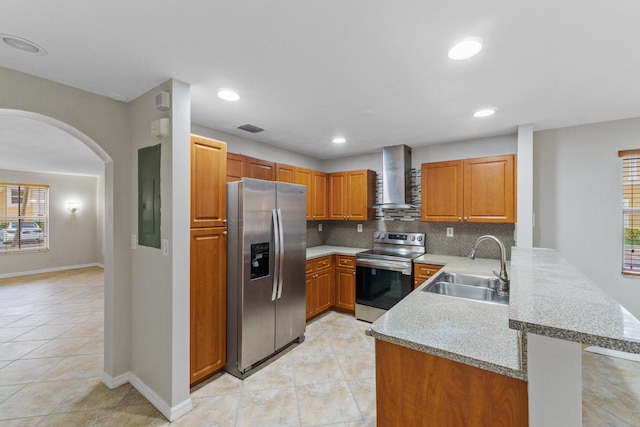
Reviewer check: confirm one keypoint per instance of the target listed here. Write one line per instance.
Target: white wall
(578, 200)
(104, 122)
(236, 144)
(494, 146)
(155, 316)
(100, 206)
(72, 236)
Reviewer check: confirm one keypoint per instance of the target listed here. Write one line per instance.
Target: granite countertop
(553, 298)
(471, 332)
(324, 250)
(548, 297)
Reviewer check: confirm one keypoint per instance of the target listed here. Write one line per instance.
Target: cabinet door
(208, 301)
(320, 190)
(311, 300)
(489, 189)
(285, 173)
(346, 288)
(303, 177)
(208, 177)
(260, 169)
(235, 167)
(361, 194)
(442, 195)
(423, 272)
(337, 195)
(324, 286)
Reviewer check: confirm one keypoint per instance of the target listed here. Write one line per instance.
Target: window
(630, 211)
(24, 218)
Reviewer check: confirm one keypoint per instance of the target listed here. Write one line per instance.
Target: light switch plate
(134, 241)
(359, 228)
(319, 227)
(449, 231)
(165, 247)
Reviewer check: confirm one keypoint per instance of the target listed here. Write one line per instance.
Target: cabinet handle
(459, 219)
(224, 221)
(465, 218)
(224, 232)
(354, 273)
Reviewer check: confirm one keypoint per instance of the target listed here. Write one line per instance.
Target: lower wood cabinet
(423, 272)
(419, 389)
(208, 301)
(319, 282)
(345, 283)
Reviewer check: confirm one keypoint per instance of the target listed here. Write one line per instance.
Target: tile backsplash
(344, 233)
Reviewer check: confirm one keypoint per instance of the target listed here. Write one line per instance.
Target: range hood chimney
(396, 178)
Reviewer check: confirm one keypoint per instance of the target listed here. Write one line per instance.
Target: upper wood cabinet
(319, 195)
(260, 169)
(337, 195)
(285, 173)
(351, 194)
(208, 176)
(303, 176)
(235, 167)
(471, 190)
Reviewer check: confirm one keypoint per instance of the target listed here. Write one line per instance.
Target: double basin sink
(467, 286)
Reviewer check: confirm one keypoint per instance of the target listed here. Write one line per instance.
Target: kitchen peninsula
(503, 353)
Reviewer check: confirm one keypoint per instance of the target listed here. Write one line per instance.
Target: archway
(108, 251)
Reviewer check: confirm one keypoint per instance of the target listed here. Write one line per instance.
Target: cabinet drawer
(322, 263)
(345, 261)
(310, 267)
(425, 271)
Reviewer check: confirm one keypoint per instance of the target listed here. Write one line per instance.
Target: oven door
(381, 284)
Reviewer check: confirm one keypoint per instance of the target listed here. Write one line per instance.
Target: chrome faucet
(503, 288)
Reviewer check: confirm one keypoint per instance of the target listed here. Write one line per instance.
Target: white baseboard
(615, 353)
(115, 382)
(49, 270)
(172, 413)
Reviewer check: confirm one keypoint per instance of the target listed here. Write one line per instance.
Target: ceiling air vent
(250, 128)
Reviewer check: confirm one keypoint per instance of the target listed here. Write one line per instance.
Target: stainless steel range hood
(396, 178)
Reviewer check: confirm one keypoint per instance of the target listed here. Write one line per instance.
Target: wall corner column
(525, 224)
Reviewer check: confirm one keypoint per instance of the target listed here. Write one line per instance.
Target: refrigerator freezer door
(291, 305)
(256, 309)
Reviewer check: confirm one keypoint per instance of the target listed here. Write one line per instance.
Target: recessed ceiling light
(23, 45)
(228, 95)
(485, 112)
(339, 140)
(465, 49)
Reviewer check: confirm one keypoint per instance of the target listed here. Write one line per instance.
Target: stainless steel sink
(467, 286)
(471, 280)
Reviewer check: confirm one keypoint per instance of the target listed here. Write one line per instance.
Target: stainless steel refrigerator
(266, 256)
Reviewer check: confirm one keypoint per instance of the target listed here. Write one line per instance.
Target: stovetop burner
(395, 246)
(383, 253)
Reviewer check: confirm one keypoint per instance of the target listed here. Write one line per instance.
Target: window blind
(631, 211)
(24, 217)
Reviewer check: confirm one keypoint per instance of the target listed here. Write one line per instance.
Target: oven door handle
(382, 265)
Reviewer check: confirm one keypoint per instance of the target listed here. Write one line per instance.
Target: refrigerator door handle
(276, 268)
(280, 258)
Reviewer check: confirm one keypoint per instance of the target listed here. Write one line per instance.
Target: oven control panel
(395, 238)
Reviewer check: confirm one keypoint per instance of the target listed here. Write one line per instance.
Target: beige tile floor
(51, 328)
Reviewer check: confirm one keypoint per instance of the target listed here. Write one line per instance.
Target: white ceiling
(373, 71)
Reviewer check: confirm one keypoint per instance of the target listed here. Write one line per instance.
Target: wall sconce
(73, 206)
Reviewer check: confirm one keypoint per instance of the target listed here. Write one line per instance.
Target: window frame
(36, 210)
(630, 209)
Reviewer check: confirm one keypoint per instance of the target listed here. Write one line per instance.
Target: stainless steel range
(384, 275)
